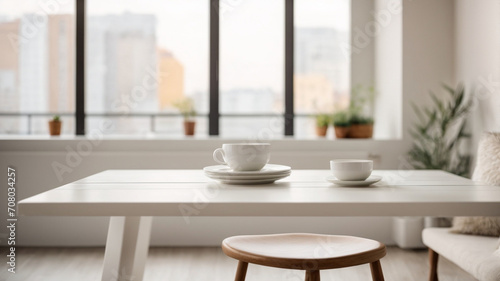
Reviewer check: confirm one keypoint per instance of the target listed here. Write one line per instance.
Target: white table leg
(127, 248)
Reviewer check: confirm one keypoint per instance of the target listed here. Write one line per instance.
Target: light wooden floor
(193, 264)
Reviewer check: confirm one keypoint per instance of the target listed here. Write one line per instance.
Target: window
(143, 56)
(251, 67)
(322, 69)
(37, 65)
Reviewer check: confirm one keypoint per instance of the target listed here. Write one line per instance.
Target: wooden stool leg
(433, 263)
(312, 275)
(241, 272)
(376, 269)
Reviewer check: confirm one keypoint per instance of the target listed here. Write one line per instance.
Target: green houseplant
(186, 108)
(437, 135)
(55, 126)
(322, 123)
(341, 123)
(440, 131)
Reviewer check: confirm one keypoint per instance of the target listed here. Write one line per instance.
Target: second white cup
(243, 156)
(351, 169)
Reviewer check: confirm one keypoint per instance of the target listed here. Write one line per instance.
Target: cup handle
(217, 152)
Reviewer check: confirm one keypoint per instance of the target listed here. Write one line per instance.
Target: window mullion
(213, 117)
(289, 49)
(80, 68)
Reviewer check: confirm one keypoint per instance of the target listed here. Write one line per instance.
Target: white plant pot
(407, 232)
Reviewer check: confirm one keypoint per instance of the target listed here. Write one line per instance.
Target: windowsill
(159, 143)
(125, 137)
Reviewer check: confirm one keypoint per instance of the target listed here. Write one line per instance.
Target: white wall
(428, 52)
(478, 58)
(427, 60)
(362, 44)
(389, 70)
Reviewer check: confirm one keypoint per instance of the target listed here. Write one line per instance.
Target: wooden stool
(309, 252)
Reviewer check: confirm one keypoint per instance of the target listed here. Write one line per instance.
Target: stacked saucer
(269, 174)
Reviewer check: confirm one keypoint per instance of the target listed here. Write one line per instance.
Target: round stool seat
(303, 251)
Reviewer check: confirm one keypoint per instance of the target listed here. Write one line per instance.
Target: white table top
(304, 193)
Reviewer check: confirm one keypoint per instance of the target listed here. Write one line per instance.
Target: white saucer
(269, 169)
(246, 177)
(229, 180)
(369, 181)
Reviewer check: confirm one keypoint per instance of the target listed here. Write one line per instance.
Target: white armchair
(477, 254)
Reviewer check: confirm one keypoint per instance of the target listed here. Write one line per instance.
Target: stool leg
(433, 263)
(312, 275)
(241, 272)
(376, 269)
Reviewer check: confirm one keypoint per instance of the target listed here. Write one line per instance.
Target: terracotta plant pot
(55, 128)
(189, 127)
(321, 131)
(341, 131)
(361, 131)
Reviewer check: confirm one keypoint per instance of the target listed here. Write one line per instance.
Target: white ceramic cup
(243, 156)
(351, 169)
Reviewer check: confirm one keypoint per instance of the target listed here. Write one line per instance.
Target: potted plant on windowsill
(341, 123)
(361, 110)
(361, 127)
(55, 126)
(186, 108)
(322, 123)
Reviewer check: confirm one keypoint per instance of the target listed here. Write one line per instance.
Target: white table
(132, 197)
